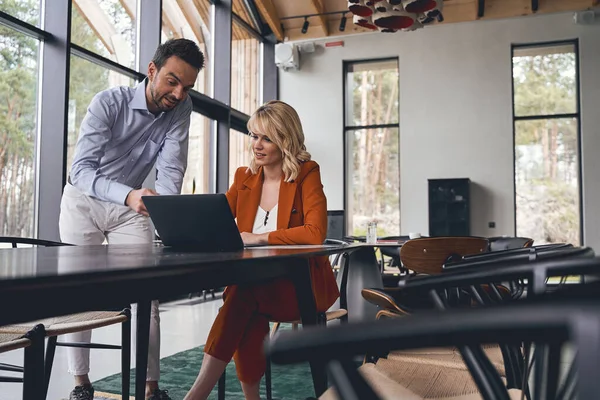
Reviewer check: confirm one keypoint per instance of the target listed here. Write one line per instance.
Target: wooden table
(52, 281)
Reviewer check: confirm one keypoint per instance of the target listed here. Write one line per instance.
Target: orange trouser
(243, 323)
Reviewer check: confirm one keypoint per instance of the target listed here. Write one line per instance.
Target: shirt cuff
(118, 193)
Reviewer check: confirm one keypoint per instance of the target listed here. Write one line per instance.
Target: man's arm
(172, 158)
(95, 132)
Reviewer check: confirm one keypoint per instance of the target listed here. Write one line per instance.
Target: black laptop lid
(201, 222)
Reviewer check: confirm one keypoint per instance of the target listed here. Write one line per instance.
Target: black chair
(498, 243)
(547, 324)
(54, 327)
(33, 361)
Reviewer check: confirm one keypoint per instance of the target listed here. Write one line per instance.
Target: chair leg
(268, 387)
(50, 351)
(33, 371)
(125, 355)
(275, 328)
(221, 386)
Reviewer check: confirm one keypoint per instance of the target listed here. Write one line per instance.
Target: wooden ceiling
(274, 13)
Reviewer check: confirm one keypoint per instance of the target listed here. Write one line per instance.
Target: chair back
(335, 224)
(500, 243)
(17, 241)
(428, 255)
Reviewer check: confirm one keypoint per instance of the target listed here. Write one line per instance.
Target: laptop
(198, 222)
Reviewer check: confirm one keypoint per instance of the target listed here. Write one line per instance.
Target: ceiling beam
(193, 18)
(203, 9)
(130, 8)
(98, 21)
(318, 6)
(254, 15)
(269, 13)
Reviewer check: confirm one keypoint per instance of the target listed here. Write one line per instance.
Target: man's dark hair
(185, 49)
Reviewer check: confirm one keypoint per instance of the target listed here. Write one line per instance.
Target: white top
(265, 221)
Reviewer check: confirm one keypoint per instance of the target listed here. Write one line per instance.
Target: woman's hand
(254, 239)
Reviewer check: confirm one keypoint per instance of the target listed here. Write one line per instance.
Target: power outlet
(491, 224)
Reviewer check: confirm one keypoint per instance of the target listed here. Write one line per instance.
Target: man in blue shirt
(124, 135)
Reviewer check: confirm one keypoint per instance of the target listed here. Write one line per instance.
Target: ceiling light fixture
(305, 25)
(343, 23)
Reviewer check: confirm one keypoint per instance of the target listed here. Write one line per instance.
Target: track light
(343, 23)
(305, 25)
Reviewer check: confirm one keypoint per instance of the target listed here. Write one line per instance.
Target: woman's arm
(232, 193)
(314, 209)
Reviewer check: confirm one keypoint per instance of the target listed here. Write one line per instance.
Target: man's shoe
(159, 395)
(85, 392)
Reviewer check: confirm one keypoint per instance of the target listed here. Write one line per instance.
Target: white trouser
(88, 221)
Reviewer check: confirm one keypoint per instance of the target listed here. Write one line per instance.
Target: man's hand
(253, 239)
(134, 200)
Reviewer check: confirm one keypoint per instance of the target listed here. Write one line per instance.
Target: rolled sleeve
(172, 158)
(95, 132)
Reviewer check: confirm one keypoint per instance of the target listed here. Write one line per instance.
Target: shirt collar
(138, 102)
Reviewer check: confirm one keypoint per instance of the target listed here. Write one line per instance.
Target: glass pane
(239, 152)
(245, 71)
(106, 27)
(372, 93)
(86, 79)
(547, 180)
(373, 181)
(18, 121)
(545, 80)
(196, 178)
(182, 19)
(25, 10)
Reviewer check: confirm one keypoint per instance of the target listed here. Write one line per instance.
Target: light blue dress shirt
(120, 141)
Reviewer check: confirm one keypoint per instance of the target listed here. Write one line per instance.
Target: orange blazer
(301, 219)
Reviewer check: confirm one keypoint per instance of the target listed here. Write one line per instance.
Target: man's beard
(156, 100)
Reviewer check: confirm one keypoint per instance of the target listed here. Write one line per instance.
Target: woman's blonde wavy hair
(281, 124)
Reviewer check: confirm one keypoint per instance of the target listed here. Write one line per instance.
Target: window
(182, 19)
(546, 136)
(25, 10)
(371, 134)
(18, 127)
(86, 80)
(239, 152)
(107, 28)
(245, 70)
(196, 179)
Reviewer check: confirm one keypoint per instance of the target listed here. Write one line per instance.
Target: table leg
(141, 351)
(362, 271)
(308, 314)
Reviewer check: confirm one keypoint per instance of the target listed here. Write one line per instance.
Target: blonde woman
(277, 199)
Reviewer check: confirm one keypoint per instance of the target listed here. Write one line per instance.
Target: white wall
(455, 112)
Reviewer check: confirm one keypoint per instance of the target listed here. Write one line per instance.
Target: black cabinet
(449, 207)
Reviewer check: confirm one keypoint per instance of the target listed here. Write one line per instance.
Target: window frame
(351, 128)
(56, 49)
(576, 115)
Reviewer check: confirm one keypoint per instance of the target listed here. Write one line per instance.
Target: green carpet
(179, 371)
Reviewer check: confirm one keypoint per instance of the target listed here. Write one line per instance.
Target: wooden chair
(80, 322)
(33, 361)
(428, 255)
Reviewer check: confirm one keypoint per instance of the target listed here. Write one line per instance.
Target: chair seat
(12, 341)
(69, 323)
(419, 382)
(447, 357)
(329, 315)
